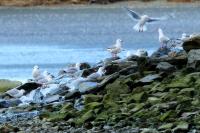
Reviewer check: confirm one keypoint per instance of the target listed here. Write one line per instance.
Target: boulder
(150, 78)
(9, 103)
(8, 128)
(192, 43)
(166, 67)
(178, 61)
(92, 98)
(87, 72)
(181, 127)
(161, 52)
(111, 68)
(84, 66)
(28, 87)
(194, 59)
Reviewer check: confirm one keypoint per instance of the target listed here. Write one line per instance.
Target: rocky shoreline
(134, 3)
(136, 94)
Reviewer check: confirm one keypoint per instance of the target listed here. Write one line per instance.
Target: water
(53, 38)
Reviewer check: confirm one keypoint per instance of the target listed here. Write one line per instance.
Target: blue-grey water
(52, 38)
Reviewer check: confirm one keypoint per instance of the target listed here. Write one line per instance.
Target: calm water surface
(53, 38)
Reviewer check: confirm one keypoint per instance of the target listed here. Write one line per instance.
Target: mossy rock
(137, 108)
(164, 116)
(67, 108)
(113, 92)
(88, 116)
(54, 117)
(92, 98)
(6, 85)
(167, 115)
(154, 100)
(166, 126)
(181, 126)
(138, 97)
(66, 112)
(182, 82)
(57, 116)
(190, 92)
(93, 106)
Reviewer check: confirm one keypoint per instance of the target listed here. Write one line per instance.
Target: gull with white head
(36, 72)
(142, 20)
(141, 53)
(162, 38)
(96, 75)
(73, 69)
(49, 77)
(116, 48)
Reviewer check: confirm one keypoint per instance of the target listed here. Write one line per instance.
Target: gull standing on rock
(74, 69)
(184, 37)
(142, 20)
(37, 76)
(96, 75)
(141, 53)
(49, 77)
(36, 72)
(116, 48)
(162, 38)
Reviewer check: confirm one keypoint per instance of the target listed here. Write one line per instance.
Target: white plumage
(96, 75)
(36, 72)
(162, 38)
(142, 20)
(116, 48)
(72, 70)
(142, 53)
(49, 77)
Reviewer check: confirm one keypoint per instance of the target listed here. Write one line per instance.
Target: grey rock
(28, 87)
(192, 43)
(166, 67)
(150, 78)
(51, 99)
(9, 103)
(194, 59)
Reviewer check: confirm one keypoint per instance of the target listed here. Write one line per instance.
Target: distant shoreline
(136, 4)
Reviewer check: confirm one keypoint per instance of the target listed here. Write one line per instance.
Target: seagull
(142, 53)
(38, 77)
(71, 70)
(49, 77)
(36, 72)
(142, 20)
(116, 48)
(162, 38)
(96, 75)
(184, 37)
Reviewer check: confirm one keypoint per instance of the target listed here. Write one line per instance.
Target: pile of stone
(136, 94)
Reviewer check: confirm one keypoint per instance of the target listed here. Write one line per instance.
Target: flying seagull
(142, 20)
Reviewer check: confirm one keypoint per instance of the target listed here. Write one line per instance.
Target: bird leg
(141, 29)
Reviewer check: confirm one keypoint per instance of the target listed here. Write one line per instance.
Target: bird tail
(140, 28)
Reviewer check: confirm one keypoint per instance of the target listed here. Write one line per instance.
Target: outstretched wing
(133, 14)
(157, 19)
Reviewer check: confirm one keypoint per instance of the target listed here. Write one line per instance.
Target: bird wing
(157, 19)
(133, 14)
(111, 48)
